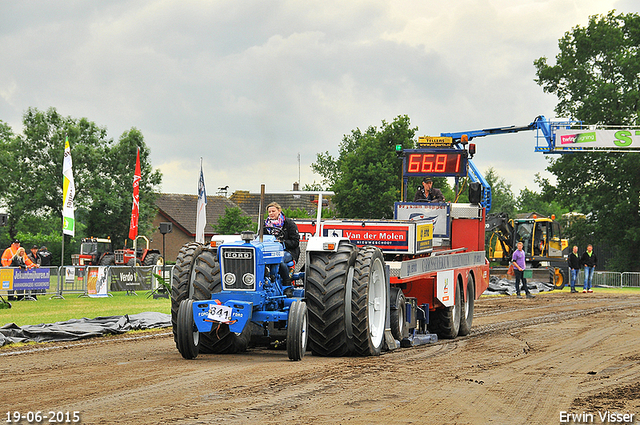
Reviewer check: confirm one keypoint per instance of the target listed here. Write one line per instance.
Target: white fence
(613, 279)
(69, 280)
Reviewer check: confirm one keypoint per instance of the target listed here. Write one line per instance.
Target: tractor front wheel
(297, 326)
(187, 335)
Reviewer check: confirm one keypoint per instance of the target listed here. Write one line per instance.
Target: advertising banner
(437, 212)
(132, 278)
(20, 279)
(614, 139)
(97, 281)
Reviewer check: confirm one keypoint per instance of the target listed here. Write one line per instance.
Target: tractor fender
(324, 244)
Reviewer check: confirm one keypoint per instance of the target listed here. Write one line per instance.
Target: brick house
(180, 211)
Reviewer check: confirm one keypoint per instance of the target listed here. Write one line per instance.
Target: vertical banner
(201, 218)
(69, 191)
(97, 281)
(135, 209)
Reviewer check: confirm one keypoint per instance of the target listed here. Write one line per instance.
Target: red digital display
(433, 162)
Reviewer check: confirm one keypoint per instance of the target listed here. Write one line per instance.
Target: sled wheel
(446, 321)
(297, 327)
(398, 313)
(466, 315)
(187, 335)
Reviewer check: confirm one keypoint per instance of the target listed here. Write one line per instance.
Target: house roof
(250, 202)
(181, 209)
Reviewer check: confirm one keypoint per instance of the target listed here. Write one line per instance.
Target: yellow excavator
(542, 239)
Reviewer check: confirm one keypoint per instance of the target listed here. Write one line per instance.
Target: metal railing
(74, 280)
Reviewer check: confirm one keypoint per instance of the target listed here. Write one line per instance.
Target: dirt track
(526, 361)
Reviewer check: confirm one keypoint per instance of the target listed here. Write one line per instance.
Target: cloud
(249, 85)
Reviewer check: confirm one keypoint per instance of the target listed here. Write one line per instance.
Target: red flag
(135, 210)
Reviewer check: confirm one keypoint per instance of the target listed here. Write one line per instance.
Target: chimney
(296, 186)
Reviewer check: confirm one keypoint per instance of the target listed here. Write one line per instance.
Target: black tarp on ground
(76, 329)
(499, 286)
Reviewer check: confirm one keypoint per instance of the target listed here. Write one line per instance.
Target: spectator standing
(45, 256)
(9, 253)
(589, 261)
(574, 268)
(7, 259)
(519, 264)
(33, 255)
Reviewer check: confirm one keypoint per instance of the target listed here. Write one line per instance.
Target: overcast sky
(249, 85)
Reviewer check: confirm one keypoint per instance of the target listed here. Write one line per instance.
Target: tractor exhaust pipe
(260, 214)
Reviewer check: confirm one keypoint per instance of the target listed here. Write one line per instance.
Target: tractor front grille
(238, 268)
(119, 256)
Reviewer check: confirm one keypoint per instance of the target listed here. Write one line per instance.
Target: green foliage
(596, 73)
(502, 198)
(301, 213)
(233, 222)
(596, 80)
(366, 176)
(31, 168)
(530, 201)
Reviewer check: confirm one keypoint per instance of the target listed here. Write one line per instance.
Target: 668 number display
(46, 417)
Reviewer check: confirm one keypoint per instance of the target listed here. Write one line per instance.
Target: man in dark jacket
(589, 261)
(574, 267)
(428, 193)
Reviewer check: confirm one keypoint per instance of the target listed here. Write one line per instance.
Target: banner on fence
(131, 278)
(20, 279)
(97, 281)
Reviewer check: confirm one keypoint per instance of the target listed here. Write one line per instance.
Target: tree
(597, 79)
(31, 168)
(366, 176)
(233, 222)
(502, 198)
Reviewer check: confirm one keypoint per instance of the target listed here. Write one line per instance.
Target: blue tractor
(235, 293)
(225, 298)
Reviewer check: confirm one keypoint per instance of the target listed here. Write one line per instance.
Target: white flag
(69, 191)
(201, 218)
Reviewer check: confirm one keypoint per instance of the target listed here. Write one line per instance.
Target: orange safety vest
(7, 256)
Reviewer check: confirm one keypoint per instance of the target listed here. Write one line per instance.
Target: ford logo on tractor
(238, 255)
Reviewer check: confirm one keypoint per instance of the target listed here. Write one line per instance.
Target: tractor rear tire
(108, 260)
(188, 337)
(328, 293)
(398, 312)
(206, 280)
(466, 315)
(153, 259)
(297, 330)
(369, 302)
(446, 321)
(181, 281)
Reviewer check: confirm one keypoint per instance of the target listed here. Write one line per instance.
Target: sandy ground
(526, 361)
